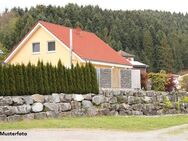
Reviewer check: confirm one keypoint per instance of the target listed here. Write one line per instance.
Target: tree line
(159, 39)
(47, 79)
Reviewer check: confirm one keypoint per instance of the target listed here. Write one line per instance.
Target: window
(36, 47)
(51, 46)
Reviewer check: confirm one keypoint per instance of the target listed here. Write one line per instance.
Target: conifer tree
(49, 72)
(40, 78)
(95, 87)
(21, 75)
(148, 48)
(82, 77)
(45, 79)
(35, 80)
(2, 84)
(11, 83)
(6, 80)
(78, 78)
(54, 81)
(66, 83)
(25, 79)
(31, 87)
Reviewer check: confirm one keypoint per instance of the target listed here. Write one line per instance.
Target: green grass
(130, 123)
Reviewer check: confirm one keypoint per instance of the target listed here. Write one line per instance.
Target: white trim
(21, 43)
(60, 42)
(110, 64)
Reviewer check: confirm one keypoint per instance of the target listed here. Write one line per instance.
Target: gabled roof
(85, 44)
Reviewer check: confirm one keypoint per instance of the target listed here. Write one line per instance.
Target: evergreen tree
(54, 79)
(45, 79)
(6, 80)
(2, 84)
(165, 55)
(148, 48)
(49, 72)
(93, 75)
(11, 83)
(31, 85)
(39, 78)
(25, 79)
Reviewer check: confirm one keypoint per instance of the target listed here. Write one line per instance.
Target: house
(136, 64)
(51, 42)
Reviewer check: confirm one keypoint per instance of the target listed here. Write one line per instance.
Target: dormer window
(51, 46)
(36, 47)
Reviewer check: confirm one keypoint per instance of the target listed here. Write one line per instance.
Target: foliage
(144, 80)
(170, 84)
(45, 79)
(184, 99)
(178, 105)
(184, 83)
(159, 80)
(159, 39)
(167, 102)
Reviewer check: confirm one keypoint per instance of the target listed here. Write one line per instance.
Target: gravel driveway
(178, 133)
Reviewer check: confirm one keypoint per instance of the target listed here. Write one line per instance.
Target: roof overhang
(108, 64)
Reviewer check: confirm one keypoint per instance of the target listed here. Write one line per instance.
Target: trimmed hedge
(46, 79)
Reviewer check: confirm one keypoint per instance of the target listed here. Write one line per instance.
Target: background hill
(159, 39)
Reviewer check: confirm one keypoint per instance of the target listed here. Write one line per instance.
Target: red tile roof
(86, 44)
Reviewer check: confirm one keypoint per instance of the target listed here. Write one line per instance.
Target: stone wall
(106, 103)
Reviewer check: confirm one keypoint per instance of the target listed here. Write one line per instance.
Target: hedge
(46, 79)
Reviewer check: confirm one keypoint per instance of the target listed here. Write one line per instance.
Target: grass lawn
(130, 123)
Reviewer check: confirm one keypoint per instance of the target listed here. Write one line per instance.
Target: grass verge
(130, 123)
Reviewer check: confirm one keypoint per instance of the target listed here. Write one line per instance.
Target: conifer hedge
(47, 79)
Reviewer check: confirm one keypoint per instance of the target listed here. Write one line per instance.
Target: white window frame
(52, 51)
(32, 48)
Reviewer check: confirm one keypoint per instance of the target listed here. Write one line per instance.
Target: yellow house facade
(47, 46)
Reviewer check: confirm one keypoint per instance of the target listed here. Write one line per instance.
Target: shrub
(158, 80)
(178, 105)
(184, 83)
(170, 84)
(185, 99)
(144, 80)
(45, 79)
(167, 102)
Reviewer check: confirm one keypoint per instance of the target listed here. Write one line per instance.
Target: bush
(167, 102)
(144, 80)
(45, 79)
(170, 84)
(185, 99)
(159, 81)
(184, 83)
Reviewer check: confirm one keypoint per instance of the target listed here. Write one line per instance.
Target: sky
(162, 5)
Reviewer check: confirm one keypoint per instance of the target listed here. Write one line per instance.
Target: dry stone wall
(108, 102)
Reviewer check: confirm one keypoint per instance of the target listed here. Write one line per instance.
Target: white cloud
(164, 5)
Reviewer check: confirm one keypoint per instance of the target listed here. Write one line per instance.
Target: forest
(157, 38)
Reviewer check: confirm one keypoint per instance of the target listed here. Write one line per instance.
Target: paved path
(178, 133)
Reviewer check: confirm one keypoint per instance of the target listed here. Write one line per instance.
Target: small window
(36, 47)
(51, 46)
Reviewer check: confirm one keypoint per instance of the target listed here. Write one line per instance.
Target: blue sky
(164, 5)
